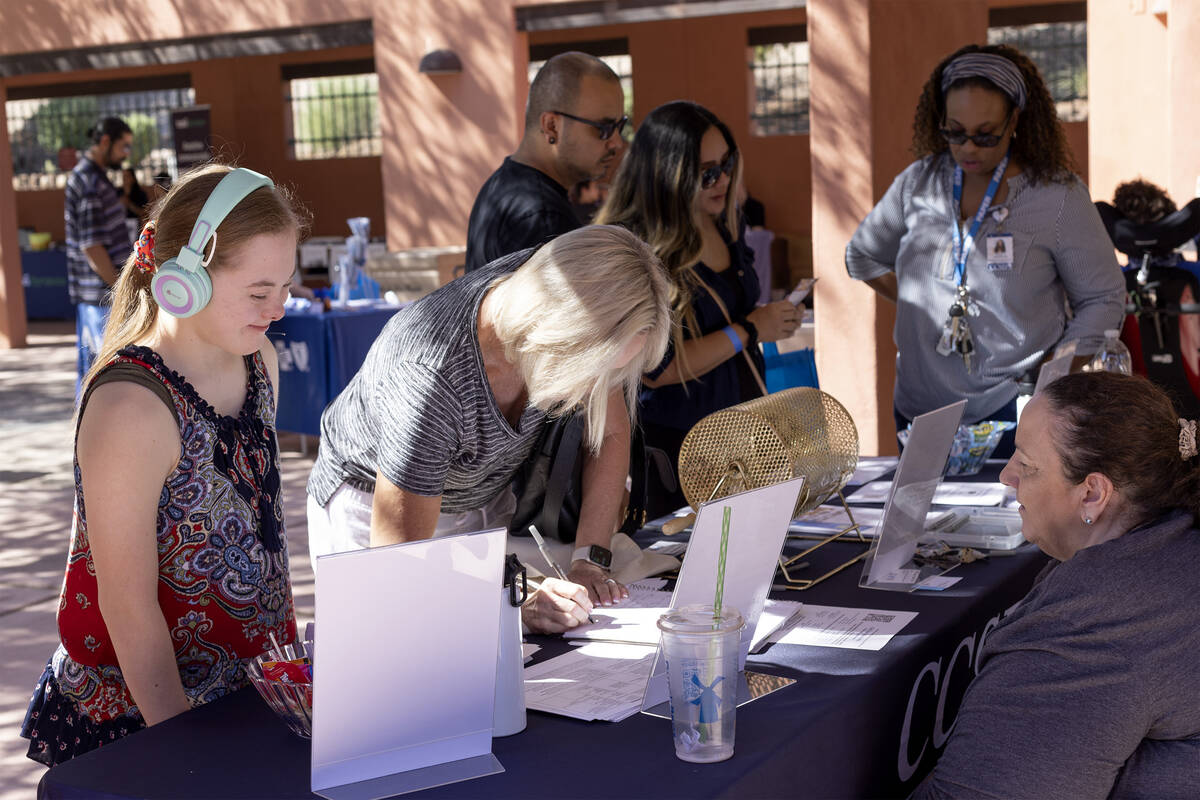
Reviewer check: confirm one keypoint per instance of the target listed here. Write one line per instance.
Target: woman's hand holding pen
(556, 606)
(602, 588)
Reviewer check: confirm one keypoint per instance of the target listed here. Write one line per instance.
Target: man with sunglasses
(573, 124)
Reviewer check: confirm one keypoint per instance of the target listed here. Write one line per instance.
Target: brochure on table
(758, 527)
(402, 701)
(889, 563)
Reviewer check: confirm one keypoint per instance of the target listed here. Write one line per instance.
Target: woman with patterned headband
(984, 242)
(1088, 689)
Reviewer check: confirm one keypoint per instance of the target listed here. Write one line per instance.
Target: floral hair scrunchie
(144, 251)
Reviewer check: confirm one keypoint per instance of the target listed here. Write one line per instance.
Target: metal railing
(40, 129)
(335, 116)
(1060, 51)
(780, 103)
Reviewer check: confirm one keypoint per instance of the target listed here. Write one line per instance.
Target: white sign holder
(889, 563)
(402, 696)
(759, 522)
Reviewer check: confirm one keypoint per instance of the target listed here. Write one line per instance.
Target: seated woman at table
(454, 394)
(674, 189)
(1088, 689)
(178, 565)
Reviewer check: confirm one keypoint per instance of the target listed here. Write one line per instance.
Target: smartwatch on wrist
(600, 556)
(751, 333)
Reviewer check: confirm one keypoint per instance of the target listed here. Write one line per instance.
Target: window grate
(1060, 51)
(779, 106)
(334, 116)
(38, 128)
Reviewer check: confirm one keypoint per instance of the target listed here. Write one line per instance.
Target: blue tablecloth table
(319, 352)
(855, 724)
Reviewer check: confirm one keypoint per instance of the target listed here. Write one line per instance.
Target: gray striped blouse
(421, 411)
(1064, 284)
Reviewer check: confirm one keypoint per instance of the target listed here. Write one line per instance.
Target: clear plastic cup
(702, 673)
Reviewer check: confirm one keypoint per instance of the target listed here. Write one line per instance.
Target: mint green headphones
(182, 286)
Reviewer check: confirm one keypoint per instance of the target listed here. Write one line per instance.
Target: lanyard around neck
(962, 247)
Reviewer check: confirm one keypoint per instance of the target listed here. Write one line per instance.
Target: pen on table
(541, 545)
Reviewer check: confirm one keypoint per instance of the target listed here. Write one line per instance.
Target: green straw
(721, 565)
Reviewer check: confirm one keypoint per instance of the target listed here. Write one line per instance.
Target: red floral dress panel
(222, 555)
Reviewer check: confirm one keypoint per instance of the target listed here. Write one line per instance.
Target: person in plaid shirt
(98, 241)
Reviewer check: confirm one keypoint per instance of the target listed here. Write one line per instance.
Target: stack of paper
(950, 493)
(635, 620)
(598, 681)
(604, 679)
(851, 628)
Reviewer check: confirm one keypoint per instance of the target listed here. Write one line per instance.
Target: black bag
(549, 485)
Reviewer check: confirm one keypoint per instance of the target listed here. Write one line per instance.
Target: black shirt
(518, 207)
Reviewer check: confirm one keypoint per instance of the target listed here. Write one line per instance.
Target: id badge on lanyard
(956, 331)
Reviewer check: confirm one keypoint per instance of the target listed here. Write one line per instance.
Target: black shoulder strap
(133, 373)
(561, 472)
(635, 514)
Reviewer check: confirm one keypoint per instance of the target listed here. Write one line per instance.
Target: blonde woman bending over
(454, 394)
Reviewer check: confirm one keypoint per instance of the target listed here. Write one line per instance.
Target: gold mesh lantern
(793, 433)
(800, 431)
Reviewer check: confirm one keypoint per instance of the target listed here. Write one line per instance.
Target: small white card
(1000, 252)
(938, 583)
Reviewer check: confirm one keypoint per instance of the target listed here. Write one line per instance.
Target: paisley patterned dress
(223, 583)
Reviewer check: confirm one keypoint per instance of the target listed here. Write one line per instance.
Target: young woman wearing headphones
(178, 567)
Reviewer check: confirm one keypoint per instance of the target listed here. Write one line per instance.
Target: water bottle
(508, 715)
(1113, 356)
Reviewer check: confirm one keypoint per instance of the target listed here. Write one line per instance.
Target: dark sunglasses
(710, 176)
(607, 129)
(979, 139)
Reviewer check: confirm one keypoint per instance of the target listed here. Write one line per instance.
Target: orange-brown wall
(1142, 106)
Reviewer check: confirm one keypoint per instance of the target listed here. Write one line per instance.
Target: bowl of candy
(973, 445)
(283, 676)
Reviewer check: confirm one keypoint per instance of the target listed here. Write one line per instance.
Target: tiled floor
(36, 395)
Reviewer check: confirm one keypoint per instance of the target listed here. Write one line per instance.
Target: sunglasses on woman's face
(979, 140)
(710, 176)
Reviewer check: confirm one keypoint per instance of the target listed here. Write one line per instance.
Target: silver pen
(541, 545)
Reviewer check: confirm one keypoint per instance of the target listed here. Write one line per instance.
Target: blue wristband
(733, 337)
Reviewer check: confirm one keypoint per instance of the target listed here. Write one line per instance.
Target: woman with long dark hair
(674, 189)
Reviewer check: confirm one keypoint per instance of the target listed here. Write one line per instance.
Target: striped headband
(997, 69)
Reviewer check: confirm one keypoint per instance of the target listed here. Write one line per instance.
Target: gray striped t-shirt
(421, 412)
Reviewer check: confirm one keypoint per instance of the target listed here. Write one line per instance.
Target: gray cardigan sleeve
(872, 250)
(1087, 265)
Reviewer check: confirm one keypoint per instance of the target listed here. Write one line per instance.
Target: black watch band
(751, 333)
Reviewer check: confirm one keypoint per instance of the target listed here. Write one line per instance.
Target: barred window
(613, 52)
(333, 110)
(39, 127)
(1059, 48)
(778, 61)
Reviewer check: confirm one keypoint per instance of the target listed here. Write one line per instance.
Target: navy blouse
(683, 405)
